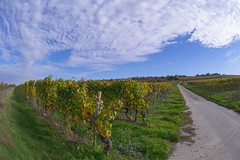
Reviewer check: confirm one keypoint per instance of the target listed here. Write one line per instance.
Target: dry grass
(4, 93)
(6, 134)
(6, 138)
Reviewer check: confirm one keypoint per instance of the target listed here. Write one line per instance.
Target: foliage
(25, 135)
(4, 85)
(76, 100)
(130, 140)
(224, 91)
(217, 84)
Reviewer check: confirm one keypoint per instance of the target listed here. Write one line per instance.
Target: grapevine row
(217, 85)
(77, 100)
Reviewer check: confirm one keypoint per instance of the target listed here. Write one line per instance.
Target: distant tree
(2, 84)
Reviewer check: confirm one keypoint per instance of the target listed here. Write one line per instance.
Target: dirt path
(217, 131)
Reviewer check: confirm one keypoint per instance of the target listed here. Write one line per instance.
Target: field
(223, 91)
(206, 77)
(26, 135)
(58, 119)
(37, 133)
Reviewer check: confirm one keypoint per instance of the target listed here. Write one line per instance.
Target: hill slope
(28, 134)
(25, 135)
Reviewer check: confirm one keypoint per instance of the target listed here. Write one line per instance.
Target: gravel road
(217, 131)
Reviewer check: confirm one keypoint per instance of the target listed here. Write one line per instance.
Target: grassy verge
(153, 141)
(4, 94)
(228, 98)
(27, 134)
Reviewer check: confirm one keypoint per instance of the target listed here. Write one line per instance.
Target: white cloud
(5, 54)
(231, 52)
(17, 73)
(221, 26)
(232, 55)
(102, 33)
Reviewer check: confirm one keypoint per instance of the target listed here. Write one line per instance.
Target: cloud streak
(101, 33)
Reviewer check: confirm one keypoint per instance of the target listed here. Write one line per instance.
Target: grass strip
(26, 135)
(227, 98)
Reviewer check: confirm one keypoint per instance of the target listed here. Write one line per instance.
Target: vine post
(98, 106)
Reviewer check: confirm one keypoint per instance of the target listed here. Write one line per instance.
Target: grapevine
(77, 100)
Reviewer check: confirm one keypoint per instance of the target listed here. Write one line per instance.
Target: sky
(103, 39)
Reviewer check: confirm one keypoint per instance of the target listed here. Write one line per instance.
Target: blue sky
(102, 39)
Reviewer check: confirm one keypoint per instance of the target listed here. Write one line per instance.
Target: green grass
(26, 135)
(227, 98)
(153, 141)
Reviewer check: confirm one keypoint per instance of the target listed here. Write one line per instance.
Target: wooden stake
(97, 110)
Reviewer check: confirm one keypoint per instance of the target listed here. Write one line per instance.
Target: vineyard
(95, 104)
(206, 77)
(104, 119)
(225, 91)
(5, 91)
(3, 85)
